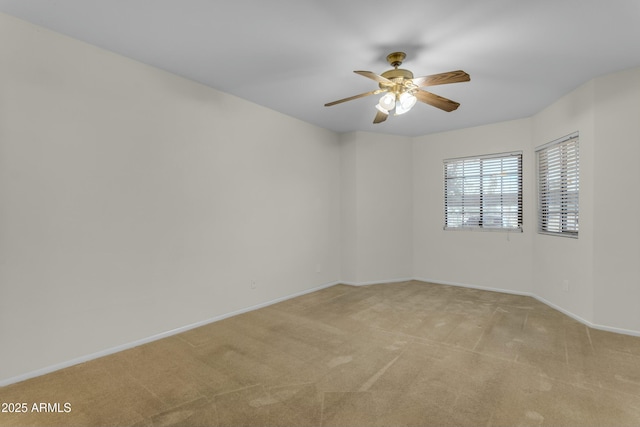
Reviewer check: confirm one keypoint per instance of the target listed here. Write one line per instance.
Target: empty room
(319, 213)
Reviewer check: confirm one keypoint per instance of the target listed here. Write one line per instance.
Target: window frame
(482, 194)
(568, 148)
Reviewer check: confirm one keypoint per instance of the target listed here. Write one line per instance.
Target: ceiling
(294, 56)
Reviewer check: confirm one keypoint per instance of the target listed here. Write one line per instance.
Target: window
(558, 185)
(483, 192)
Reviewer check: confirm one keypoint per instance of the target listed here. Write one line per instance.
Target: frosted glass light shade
(388, 101)
(407, 100)
(405, 103)
(379, 108)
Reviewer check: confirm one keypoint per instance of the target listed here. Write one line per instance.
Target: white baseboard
(127, 346)
(585, 321)
(542, 300)
(482, 288)
(377, 282)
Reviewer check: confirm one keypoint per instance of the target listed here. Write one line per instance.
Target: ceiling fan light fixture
(400, 109)
(381, 109)
(405, 103)
(387, 102)
(408, 100)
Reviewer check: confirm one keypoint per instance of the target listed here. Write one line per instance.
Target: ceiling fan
(402, 91)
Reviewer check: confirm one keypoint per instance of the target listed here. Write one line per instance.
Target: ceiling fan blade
(442, 78)
(380, 117)
(374, 76)
(435, 100)
(351, 98)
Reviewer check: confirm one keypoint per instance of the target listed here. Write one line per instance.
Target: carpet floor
(402, 354)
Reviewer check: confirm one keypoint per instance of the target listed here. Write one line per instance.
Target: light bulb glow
(407, 100)
(405, 103)
(400, 109)
(388, 101)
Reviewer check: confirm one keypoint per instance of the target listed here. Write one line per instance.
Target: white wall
(617, 196)
(135, 202)
(349, 207)
(496, 260)
(377, 208)
(556, 259)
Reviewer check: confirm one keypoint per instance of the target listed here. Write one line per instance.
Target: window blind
(558, 187)
(483, 192)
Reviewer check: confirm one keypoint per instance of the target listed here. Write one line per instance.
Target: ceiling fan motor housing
(398, 76)
(396, 73)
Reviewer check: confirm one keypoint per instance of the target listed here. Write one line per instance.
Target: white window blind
(558, 187)
(483, 192)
